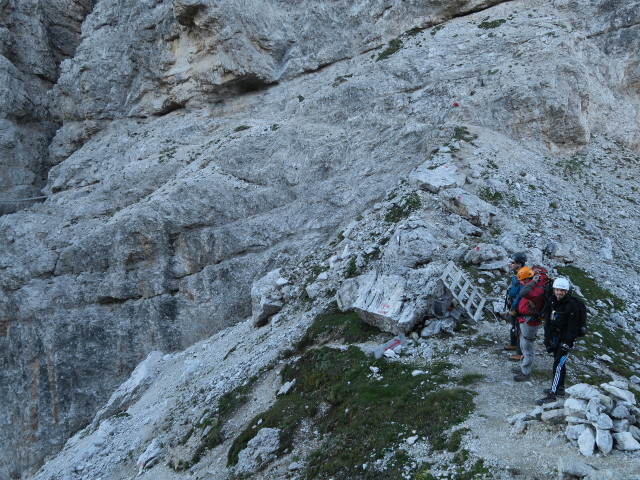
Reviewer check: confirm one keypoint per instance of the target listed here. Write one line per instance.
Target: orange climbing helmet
(524, 273)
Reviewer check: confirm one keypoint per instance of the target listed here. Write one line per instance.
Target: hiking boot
(511, 347)
(521, 377)
(550, 398)
(515, 358)
(559, 393)
(517, 370)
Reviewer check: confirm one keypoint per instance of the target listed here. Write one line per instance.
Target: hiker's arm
(526, 289)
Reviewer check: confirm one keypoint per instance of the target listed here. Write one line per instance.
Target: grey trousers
(527, 339)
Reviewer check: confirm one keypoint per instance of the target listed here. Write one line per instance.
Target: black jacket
(562, 322)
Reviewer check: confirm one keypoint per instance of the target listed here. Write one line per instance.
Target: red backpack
(545, 283)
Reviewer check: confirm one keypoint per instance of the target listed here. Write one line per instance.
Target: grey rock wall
(35, 37)
(201, 148)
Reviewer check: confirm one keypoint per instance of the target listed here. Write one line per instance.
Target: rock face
(35, 37)
(200, 148)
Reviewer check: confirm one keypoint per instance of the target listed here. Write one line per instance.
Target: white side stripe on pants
(556, 376)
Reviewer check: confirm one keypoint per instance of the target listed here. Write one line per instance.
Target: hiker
(517, 261)
(530, 303)
(561, 328)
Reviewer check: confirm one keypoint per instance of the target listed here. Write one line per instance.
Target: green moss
(334, 326)
(462, 133)
(414, 31)
(341, 79)
(337, 392)
(393, 47)
(241, 128)
(490, 195)
(211, 423)
(487, 24)
(404, 208)
(352, 268)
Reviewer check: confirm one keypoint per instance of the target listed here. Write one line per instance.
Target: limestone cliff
(188, 147)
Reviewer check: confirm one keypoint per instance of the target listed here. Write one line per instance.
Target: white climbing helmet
(561, 284)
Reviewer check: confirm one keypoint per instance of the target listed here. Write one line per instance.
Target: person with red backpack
(530, 303)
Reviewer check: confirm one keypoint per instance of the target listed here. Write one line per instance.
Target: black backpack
(582, 316)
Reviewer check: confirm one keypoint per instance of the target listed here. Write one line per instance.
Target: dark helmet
(519, 257)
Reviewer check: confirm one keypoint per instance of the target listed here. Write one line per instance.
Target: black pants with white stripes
(559, 370)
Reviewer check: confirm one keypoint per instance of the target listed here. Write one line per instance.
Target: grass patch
(589, 287)
(462, 133)
(337, 391)
(614, 342)
(393, 47)
(490, 195)
(571, 168)
(403, 209)
(211, 423)
(334, 326)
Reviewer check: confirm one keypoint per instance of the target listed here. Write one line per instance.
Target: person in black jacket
(561, 329)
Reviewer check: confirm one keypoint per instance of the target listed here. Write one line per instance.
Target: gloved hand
(512, 313)
(564, 349)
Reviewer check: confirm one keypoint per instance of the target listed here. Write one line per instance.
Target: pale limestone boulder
(468, 206)
(260, 451)
(575, 407)
(392, 302)
(131, 390)
(621, 425)
(587, 442)
(267, 298)
(412, 244)
(620, 411)
(624, 441)
(554, 416)
(436, 179)
(619, 392)
(604, 440)
(486, 252)
(583, 391)
(602, 421)
(573, 466)
(595, 405)
(573, 432)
